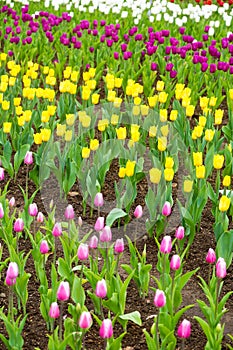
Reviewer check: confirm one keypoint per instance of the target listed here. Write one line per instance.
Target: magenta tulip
(106, 234)
(138, 212)
(160, 298)
(54, 311)
(166, 210)
(18, 225)
(179, 232)
(2, 175)
(57, 230)
(221, 269)
(101, 289)
(69, 212)
(1, 211)
(93, 242)
(166, 245)
(106, 329)
(40, 217)
(85, 320)
(28, 158)
(32, 209)
(13, 270)
(44, 247)
(99, 201)
(175, 262)
(211, 256)
(184, 329)
(12, 202)
(119, 246)
(99, 225)
(63, 292)
(83, 251)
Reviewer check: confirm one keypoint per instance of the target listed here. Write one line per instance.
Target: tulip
(119, 246)
(101, 289)
(83, 251)
(166, 245)
(54, 311)
(44, 247)
(166, 210)
(1, 211)
(13, 270)
(211, 256)
(32, 209)
(57, 230)
(221, 270)
(69, 212)
(138, 212)
(160, 298)
(184, 329)
(85, 320)
(175, 262)
(179, 232)
(40, 217)
(99, 225)
(63, 292)
(106, 329)
(106, 234)
(10, 281)
(18, 225)
(1, 174)
(93, 242)
(12, 202)
(28, 159)
(99, 201)
(224, 203)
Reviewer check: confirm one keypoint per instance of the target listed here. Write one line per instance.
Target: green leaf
(77, 293)
(116, 344)
(134, 316)
(114, 214)
(149, 341)
(224, 246)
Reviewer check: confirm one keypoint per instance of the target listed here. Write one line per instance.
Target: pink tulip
(40, 217)
(12, 202)
(93, 242)
(85, 320)
(80, 221)
(101, 289)
(13, 270)
(119, 246)
(184, 329)
(166, 245)
(69, 212)
(63, 292)
(138, 212)
(99, 200)
(221, 269)
(106, 234)
(18, 225)
(106, 329)
(32, 209)
(211, 256)
(28, 158)
(99, 225)
(44, 247)
(83, 251)
(166, 210)
(160, 298)
(10, 281)
(57, 230)
(2, 175)
(1, 211)
(179, 232)
(54, 311)
(175, 262)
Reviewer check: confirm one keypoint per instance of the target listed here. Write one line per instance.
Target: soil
(35, 331)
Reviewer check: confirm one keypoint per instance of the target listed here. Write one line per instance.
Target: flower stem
(60, 322)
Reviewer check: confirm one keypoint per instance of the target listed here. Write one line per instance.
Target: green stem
(216, 302)
(164, 269)
(60, 322)
(11, 313)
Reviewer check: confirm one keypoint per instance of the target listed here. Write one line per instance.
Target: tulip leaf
(134, 316)
(114, 214)
(225, 246)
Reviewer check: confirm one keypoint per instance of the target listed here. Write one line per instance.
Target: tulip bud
(32, 209)
(57, 230)
(44, 247)
(99, 201)
(175, 262)
(54, 311)
(106, 329)
(101, 289)
(221, 270)
(18, 225)
(179, 232)
(99, 225)
(160, 298)
(63, 292)
(80, 222)
(1, 211)
(85, 320)
(106, 234)
(166, 210)
(28, 158)
(211, 256)
(69, 212)
(184, 329)
(2, 175)
(93, 242)
(83, 251)
(138, 212)
(119, 246)
(12, 202)
(166, 245)
(40, 217)
(10, 281)
(13, 270)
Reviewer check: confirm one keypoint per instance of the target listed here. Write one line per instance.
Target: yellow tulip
(129, 169)
(163, 115)
(111, 96)
(19, 110)
(164, 130)
(136, 110)
(198, 130)
(95, 99)
(45, 116)
(173, 115)
(152, 100)
(94, 144)
(17, 101)
(188, 186)
(169, 162)
(118, 82)
(102, 124)
(51, 110)
(200, 172)
(85, 152)
(190, 110)
(155, 175)
(37, 138)
(168, 174)
(86, 121)
(117, 102)
(21, 121)
(5, 105)
(121, 172)
(186, 102)
(153, 131)
(121, 133)
(218, 161)
(162, 143)
(27, 115)
(45, 134)
(226, 181)
(12, 81)
(110, 84)
(160, 85)
(70, 118)
(86, 92)
(197, 158)
(213, 101)
(224, 203)
(135, 136)
(68, 135)
(163, 97)
(74, 76)
(61, 129)
(91, 84)
(231, 94)
(209, 135)
(202, 121)
(45, 70)
(114, 119)
(204, 102)
(3, 56)
(92, 72)
(218, 115)
(7, 127)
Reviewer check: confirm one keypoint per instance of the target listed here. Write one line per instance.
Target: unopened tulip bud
(119, 246)
(99, 201)
(101, 289)
(13, 270)
(179, 232)
(63, 292)
(106, 329)
(160, 298)
(1, 211)
(44, 247)
(54, 311)
(221, 269)
(211, 256)
(12, 202)
(2, 175)
(28, 158)
(85, 320)
(83, 251)
(166, 245)
(138, 212)
(175, 262)
(10, 281)
(184, 329)
(80, 221)
(57, 230)
(32, 209)
(166, 210)
(69, 212)
(106, 234)
(40, 217)
(99, 225)
(93, 242)
(18, 225)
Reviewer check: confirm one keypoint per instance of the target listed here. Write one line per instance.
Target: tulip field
(116, 170)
